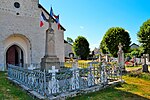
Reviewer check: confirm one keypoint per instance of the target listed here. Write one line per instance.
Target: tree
(81, 47)
(144, 36)
(113, 37)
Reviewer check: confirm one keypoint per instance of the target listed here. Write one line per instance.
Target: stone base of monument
(48, 62)
(145, 68)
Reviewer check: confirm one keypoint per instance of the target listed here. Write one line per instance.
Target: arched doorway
(14, 55)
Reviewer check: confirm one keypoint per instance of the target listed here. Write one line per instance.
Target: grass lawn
(9, 91)
(133, 89)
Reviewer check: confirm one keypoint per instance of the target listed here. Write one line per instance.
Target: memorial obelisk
(50, 59)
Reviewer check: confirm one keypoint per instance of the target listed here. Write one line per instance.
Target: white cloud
(81, 27)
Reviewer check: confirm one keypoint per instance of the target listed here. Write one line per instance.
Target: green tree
(81, 47)
(113, 37)
(103, 47)
(144, 36)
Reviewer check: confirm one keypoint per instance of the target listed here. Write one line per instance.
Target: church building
(22, 40)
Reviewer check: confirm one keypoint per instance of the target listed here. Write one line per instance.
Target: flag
(43, 18)
(41, 22)
(51, 12)
(57, 21)
(54, 16)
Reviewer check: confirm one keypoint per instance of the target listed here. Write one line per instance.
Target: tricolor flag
(43, 18)
(57, 21)
(52, 13)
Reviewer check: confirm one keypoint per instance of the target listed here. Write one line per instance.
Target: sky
(92, 18)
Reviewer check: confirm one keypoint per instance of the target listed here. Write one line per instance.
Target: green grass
(9, 91)
(133, 89)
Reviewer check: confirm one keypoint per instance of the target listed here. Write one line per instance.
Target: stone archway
(17, 50)
(14, 55)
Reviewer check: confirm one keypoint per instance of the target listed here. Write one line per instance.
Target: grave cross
(54, 83)
(53, 71)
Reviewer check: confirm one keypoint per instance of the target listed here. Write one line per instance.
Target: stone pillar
(50, 59)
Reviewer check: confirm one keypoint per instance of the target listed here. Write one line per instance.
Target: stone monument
(144, 66)
(121, 57)
(50, 59)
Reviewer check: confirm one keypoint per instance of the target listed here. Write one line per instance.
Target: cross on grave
(53, 71)
(121, 57)
(54, 83)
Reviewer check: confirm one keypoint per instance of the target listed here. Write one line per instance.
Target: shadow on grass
(111, 93)
(10, 91)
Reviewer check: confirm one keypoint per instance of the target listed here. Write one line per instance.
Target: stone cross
(54, 83)
(121, 56)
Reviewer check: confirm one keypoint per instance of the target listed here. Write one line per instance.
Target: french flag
(43, 18)
(57, 21)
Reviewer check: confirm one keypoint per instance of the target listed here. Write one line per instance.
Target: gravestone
(144, 66)
(50, 58)
(121, 57)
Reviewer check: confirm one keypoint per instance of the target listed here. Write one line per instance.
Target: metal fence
(55, 82)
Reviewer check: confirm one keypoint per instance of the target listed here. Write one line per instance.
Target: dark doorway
(14, 56)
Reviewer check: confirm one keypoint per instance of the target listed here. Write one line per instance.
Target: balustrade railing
(64, 80)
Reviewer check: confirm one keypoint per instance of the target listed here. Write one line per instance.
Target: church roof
(40, 6)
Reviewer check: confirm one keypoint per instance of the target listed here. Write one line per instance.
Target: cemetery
(37, 63)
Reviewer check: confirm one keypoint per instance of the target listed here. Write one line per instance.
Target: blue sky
(92, 18)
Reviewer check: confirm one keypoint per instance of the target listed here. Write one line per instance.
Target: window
(17, 5)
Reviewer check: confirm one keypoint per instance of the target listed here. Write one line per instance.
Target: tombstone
(144, 66)
(54, 83)
(121, 57)
(50, 58)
